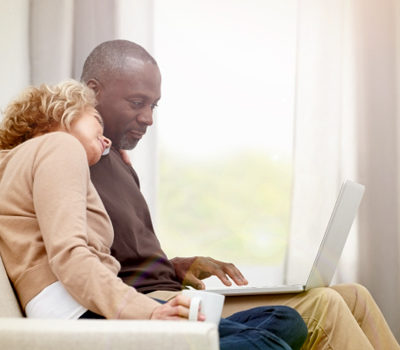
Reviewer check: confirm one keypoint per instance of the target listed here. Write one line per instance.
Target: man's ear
(94, 85)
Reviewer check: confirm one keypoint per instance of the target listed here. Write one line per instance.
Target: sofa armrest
(38, 334)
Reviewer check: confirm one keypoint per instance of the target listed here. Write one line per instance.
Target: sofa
(19, 333)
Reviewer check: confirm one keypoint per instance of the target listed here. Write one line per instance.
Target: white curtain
(14, 43)
(48, 40)
(347, 127)
(63, 32)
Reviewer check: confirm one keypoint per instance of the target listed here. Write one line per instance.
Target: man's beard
(128, 143)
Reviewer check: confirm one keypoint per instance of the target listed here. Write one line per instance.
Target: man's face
(126, 103)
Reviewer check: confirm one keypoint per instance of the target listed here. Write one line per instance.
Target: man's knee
(356, 296)
(352, 288)
(361, 291)
(325, 297)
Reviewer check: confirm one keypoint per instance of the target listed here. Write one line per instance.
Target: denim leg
(237, 336)
(282, 321)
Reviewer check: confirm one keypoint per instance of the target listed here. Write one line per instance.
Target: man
(127, 82)
(129, 103)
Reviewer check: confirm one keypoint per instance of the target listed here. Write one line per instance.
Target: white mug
(211, 305)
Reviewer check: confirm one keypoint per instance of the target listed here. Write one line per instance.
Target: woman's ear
(94, 85)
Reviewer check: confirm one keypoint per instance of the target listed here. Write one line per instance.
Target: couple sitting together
(76, 235)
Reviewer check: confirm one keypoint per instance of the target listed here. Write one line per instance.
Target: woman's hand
(176, 309)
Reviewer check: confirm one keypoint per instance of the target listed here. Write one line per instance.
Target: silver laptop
(330, 249)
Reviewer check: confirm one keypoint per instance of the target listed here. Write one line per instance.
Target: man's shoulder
(106, 162)
(111, 161)
(112, 169)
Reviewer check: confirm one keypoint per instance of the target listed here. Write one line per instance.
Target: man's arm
(192, 270)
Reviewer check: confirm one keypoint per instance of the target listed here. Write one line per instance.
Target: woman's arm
(60, 188)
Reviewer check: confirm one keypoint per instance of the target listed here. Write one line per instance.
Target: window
(225, 128)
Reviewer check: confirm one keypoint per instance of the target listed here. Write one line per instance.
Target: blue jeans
(266, 327)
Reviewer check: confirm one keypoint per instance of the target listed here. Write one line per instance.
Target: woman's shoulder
(51, 146)
(56, 137)
(57, 141)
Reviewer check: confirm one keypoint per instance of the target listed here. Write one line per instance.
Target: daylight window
(225, 128)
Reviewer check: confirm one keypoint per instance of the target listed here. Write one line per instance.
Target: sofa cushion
(9, 306)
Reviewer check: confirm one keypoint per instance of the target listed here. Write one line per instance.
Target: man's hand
(176, 309)
(192, 270)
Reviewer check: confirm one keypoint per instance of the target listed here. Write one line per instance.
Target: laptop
(329, 252)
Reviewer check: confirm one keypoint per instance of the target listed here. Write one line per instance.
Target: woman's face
(88, 129)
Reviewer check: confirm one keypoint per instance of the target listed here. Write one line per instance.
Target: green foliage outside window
(235, 209)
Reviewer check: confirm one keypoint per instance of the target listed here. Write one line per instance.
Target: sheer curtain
(48, 40)
(347, 127)
(63, 32)
(14, 43)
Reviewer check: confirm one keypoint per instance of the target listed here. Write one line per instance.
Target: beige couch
(20, 333)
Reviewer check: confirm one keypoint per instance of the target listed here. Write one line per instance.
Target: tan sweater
(53, 226)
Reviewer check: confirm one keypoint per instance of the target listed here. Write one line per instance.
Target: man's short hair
(110, 58)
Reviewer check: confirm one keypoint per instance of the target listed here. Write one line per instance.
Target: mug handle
(194, 308)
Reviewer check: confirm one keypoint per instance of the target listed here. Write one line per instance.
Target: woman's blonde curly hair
(41, 109)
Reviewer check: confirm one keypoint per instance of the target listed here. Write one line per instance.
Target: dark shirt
(143, 263)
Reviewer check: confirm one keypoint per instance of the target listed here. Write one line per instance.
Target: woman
(55, 234)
